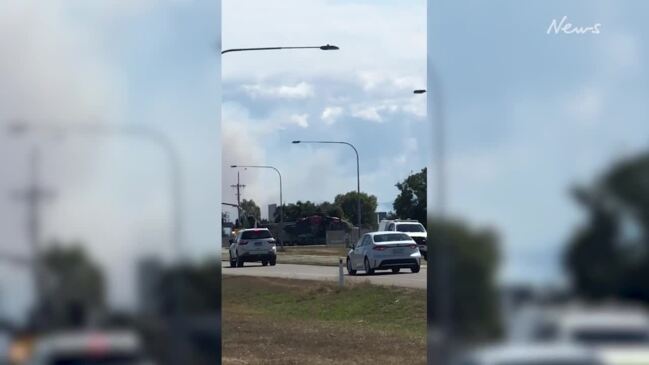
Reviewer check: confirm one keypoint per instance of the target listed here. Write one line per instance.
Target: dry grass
(281, 321)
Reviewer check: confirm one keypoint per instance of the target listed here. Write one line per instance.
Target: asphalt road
(312, 272)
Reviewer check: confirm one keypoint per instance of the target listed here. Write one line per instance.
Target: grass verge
(286, 321)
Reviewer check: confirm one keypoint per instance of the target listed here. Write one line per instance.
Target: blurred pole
(34, 197)
(281, 198)
(442, 347)
(341, 276)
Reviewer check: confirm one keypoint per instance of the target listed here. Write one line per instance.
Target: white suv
(253, 245)
(383, 251)
(412, 228)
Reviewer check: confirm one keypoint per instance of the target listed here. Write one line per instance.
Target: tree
(411, 201)
(473, 258)
(331, 210)
(348, 203)
(293, 212)
(76, 287)
(608, 257)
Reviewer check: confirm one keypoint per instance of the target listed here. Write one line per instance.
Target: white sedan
(384, 251)
(531, 354)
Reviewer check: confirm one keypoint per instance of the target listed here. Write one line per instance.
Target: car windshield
(410, 227)
(256, 234)
(612, 336)
(391, 237)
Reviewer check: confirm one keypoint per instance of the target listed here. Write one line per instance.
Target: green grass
(390, 309)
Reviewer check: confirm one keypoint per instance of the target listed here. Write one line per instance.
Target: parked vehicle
(383, 251)
(530, 354)
(618, 334)
(253, 245)
(412, 228)
(88, 348)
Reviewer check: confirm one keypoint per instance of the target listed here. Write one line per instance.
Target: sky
(361, 94)
(151, 64)
(530, 115)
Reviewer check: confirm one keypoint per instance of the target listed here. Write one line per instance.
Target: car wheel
(396, 270)
(239, 261)
(233, 262)
(368, 269)
(425, 255)
(350, 270)
(273, 261)
(415, 269)
(264, 263)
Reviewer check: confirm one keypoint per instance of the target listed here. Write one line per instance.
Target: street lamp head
(233, 166)
(419, 91)
(329, 47)
(296, 142)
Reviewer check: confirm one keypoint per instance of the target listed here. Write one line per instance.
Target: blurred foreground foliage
(473, 258)
(608, 257)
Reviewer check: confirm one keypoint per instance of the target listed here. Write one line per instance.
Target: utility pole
(238, 186)
(34, 196)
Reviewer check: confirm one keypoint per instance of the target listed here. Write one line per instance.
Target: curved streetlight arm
(281, 198)
(358, 174)
(327, 47)
(134, 130)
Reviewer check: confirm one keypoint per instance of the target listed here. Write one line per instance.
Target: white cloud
(300, 120)
(330, 114)
(585, 106)
(375, 80)
(301, 90)
(369, 113)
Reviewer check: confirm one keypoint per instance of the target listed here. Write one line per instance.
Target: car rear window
(256, 234)
(391, 237)
(410, 227)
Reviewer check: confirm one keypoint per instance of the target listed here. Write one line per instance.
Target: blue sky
(531, 114)
(361, 94)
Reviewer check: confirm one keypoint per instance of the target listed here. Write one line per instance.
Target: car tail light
(243, 242)
(379, 248)
(412, 246)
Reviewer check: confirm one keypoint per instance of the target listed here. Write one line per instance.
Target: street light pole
(440, 350)
(358, 176)
(281, 199)
(326, 47)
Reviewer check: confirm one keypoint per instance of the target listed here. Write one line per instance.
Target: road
(313, 272)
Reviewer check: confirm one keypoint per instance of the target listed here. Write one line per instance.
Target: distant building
(380, 216)
(272, 208)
